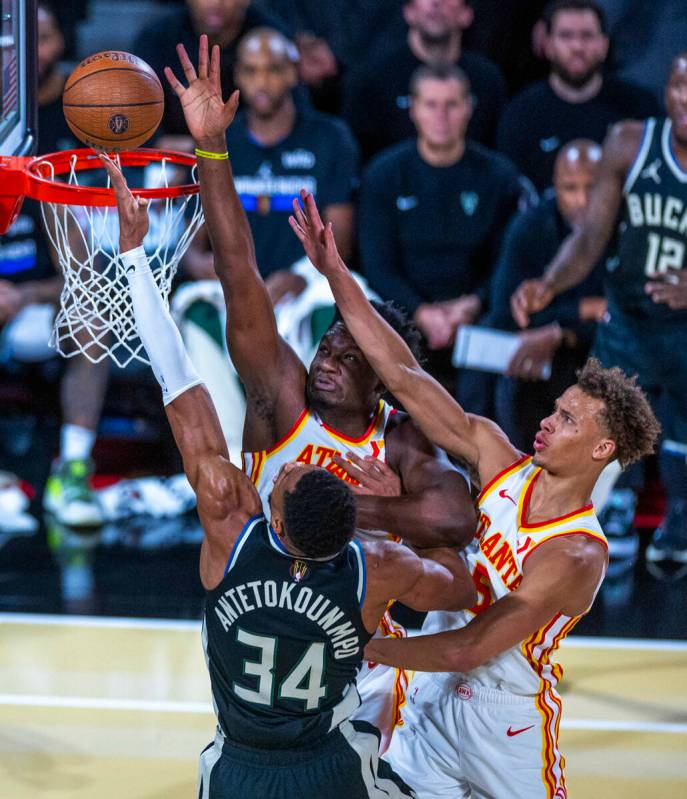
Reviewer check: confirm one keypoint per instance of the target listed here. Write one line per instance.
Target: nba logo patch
(469, 201)
(298, 570)
(463, 691)
(118, 124)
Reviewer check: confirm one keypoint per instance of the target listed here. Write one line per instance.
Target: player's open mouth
(323, 384)
(539, 442)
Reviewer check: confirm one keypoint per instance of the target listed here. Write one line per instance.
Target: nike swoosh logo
(504, 495)
(511, 732)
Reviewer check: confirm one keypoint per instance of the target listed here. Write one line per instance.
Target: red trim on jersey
(523, 525)
(292, 430)
(501, 474)
(365, 435)
(585, 533)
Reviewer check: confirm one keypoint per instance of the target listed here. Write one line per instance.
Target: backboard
(18, 77)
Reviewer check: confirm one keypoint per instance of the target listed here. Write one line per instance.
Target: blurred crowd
(453, 145)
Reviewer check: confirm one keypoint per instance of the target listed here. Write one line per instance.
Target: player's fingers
(119, 184)
(300, 214)
(313, 212)
(176, 86)
(351, 469)
(203, 57)
(186, 65)
(214, 68)
(297, 229)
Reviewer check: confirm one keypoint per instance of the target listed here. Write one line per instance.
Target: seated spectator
(376, 102)
(576, 101)
(29, 292)
(563, 333)
(432, 213)
(224, 22)
(276, 150)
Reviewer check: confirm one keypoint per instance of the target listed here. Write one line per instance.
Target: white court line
(574, 642)
(98, 621)
(163, 706)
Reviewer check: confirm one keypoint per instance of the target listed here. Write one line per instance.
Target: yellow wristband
(212, 156)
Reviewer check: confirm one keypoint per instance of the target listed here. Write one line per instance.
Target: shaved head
(269, 42)
(676, 100)
(574, 174)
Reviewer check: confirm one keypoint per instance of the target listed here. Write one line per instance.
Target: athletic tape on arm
(159, 335)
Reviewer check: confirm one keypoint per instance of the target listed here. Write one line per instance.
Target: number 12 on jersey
(663, 254)
(303, 682)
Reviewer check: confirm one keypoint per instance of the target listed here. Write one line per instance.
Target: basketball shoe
(69, 496)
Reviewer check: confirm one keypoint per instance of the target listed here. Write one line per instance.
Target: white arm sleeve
(159, 335)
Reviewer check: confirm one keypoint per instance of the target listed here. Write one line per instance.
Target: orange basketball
(113, 101)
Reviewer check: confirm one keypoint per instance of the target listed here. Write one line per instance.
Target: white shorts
(382, 688)
(460, 740)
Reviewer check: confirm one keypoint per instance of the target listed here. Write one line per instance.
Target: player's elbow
(462, 659)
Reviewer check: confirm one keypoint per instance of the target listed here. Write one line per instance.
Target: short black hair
(319, 514)
(437, 72)
(555, 6)
(397, 317)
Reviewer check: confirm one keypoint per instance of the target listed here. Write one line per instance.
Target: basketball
(113, 101)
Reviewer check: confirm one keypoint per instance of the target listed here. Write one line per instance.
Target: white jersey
(496, 559)
(311, 441)
(382, 688)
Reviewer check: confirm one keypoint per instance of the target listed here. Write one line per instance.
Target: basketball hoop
(95, 316)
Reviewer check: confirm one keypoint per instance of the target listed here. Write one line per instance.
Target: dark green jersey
(653, 229)
(284, 640)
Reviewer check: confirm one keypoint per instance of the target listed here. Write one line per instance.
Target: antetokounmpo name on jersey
(247, 597)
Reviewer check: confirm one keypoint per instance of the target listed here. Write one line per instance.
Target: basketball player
(486, 725)
(290, 604)
(332, 416)
(643, 177)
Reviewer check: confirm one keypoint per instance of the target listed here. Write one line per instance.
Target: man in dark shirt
(577, 100)
(276, 149)
(29, 286)
(376, 102)
(433, 210)
(561, 334)
(224, 23)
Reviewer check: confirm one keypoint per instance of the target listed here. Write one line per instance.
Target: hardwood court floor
(119, 709)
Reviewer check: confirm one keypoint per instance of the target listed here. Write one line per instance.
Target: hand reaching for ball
(132, 210)
(207, 115)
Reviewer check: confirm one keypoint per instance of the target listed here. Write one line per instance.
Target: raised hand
(133, 211)
(206, 114)
(530, 296)
(316, 237)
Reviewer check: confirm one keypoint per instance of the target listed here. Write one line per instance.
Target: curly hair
(626, 415)
(319, 514)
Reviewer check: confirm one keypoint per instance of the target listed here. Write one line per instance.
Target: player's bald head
(679, 64)
(676, 98)
(269, 42)
(578, 155)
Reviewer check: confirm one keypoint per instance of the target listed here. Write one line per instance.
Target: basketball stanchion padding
(95, 317)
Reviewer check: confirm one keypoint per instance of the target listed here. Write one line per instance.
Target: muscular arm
(583, 248)
(432, 408)
(435, 508)
(561, 576)
(267, 366)
(437, 580)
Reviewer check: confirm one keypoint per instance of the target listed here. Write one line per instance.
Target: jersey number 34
(303, 682)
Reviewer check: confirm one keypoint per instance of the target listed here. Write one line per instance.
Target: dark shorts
(346, 766)
(657, 354)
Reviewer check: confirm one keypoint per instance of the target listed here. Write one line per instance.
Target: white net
(95, 317)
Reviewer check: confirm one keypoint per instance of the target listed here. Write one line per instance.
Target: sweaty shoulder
(622, 143)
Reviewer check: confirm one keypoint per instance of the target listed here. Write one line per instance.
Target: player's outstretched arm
(433, 409)
(561, 576)
(260, 355)
(582, 249)
(433, 579)
(226, 498)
